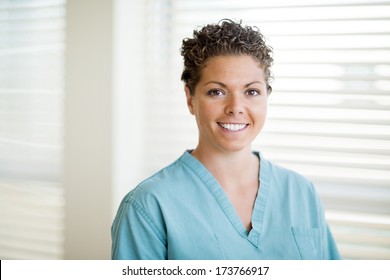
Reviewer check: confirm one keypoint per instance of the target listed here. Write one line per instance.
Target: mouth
(233, 126)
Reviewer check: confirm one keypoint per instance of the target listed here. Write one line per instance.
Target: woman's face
(229, 103)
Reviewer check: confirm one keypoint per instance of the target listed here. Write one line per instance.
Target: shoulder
(281, 172)
(160, 185)
(286, 179)
(145, 202)
(287, 174)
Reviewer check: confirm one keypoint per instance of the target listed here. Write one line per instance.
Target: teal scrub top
(182, 213)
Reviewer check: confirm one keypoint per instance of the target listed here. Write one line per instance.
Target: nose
(234, 105)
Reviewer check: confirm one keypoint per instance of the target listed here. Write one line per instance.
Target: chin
(235, 147)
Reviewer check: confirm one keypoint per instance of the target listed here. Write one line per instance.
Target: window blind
(31, 128)
(329, 113)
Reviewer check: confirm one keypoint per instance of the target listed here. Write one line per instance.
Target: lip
(232, 126)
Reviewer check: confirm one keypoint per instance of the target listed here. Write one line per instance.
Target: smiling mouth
(233, 126)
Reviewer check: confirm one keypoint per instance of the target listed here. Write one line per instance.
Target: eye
(253, 92)
(215, 92)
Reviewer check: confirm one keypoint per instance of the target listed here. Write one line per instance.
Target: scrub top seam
(261, 200)
(137, 207)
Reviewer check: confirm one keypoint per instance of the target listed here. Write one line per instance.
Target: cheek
(206, 110)
(261, 111)
(265, 111)
(260, 117)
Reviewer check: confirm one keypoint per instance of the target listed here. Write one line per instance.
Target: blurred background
(91, 103)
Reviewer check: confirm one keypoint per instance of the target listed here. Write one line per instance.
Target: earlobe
(189, 98)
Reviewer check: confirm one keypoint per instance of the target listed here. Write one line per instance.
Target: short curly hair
(225, 38)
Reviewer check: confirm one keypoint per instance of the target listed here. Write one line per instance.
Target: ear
(189, 99)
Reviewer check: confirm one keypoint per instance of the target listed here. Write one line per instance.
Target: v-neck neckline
(226, 205)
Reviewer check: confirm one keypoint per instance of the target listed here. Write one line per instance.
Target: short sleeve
(135, 236)
(330, 249)
(328, 245)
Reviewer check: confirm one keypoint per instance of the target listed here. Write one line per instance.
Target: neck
(229, 168)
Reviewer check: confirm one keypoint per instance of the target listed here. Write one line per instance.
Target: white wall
(88, 129)
(103, 119)
(128, 100)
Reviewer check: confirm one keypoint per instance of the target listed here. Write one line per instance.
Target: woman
(222, 200)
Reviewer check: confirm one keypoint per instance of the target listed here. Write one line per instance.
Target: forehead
(236, 68)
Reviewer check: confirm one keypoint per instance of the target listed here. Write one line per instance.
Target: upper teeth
(233, 127)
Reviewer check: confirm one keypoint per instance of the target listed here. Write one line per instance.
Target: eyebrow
(223, 85)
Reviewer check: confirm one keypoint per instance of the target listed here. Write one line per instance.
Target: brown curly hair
(225, 38)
